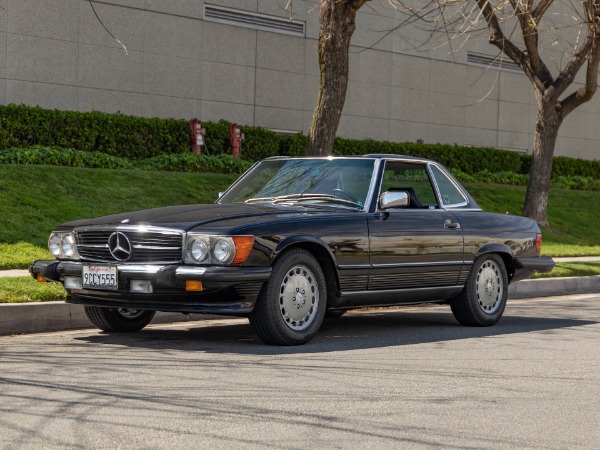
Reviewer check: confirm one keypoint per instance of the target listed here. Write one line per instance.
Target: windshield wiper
(304, 197)
(287, 197)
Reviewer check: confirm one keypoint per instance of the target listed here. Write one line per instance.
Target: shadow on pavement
(351, 332)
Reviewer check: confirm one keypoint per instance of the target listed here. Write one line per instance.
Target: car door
(417, 246)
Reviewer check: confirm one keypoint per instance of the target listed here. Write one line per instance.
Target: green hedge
(113, 134)
(467, 159)
(133, 138)
(188, 162)
(182, 162)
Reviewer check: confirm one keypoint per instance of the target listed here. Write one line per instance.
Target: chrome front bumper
(225, 290)
(170, 275)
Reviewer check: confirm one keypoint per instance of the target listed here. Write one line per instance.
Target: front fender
(324, 255)
(299, 241)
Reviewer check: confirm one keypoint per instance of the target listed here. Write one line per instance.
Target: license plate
(99, 277)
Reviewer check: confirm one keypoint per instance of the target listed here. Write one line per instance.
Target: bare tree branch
(107, 30)
(540, 9)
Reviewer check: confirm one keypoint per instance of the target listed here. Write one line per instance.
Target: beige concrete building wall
(56, 54)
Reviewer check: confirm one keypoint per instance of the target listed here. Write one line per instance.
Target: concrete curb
(59, 316)
(15, 273)
(18, 318)
(548, 287)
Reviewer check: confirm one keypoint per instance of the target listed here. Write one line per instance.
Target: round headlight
(68, 245)
(199, 250)
(54, 244)
(224, 250)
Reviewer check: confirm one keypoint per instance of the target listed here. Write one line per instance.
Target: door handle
(451, 225)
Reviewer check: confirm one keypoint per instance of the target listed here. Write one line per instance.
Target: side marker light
(193, 286)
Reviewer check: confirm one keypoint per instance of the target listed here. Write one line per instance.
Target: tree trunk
(546, 131)
(337, 24)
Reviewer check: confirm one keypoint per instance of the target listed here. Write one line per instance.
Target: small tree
(456, 18)
(553, 103)
(337, 23)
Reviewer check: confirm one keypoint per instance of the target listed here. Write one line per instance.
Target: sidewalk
(577, 259)
(14, 273)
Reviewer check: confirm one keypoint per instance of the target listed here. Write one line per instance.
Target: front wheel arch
(324, 256)
(291, 305)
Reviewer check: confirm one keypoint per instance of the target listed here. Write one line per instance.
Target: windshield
(341, 181)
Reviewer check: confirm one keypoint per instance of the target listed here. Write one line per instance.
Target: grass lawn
(572, 216)
(35, 199)
(576, 269)
(26, 289)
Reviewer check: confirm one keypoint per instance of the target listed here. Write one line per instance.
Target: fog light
(141, 286)
(72, 282)
(194, 285)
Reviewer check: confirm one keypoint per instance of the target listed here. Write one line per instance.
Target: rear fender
(505, 253)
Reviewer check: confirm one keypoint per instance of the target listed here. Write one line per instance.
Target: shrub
(113, 134)
(141, 138)
(188, 162)
(56, 156)
(467, 159)
(292, 145)
(259, 143)
(182, 162)
(217, 137)
(570, 167)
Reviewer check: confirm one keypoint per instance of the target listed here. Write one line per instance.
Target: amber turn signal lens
(194, 285)
(40, 278)
(243, 247)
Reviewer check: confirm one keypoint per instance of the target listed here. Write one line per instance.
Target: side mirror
(394, 199)
(220, 195)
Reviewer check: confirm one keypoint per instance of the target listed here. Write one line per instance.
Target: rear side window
(450, 194)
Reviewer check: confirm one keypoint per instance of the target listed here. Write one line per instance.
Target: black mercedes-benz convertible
(296, 239)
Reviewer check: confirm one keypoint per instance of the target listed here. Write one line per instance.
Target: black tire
(118, 320)
(291, 305)
(481, 303)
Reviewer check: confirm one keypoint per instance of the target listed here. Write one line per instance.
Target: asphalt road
(409, 378)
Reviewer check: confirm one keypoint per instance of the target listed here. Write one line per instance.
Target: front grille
(146, 246)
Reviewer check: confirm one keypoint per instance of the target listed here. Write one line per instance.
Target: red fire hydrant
(197, 133)
(235, 139)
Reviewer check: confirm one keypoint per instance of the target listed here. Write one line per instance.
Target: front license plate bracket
(100, 276)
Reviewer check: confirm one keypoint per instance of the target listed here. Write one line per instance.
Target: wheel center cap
(300, 299)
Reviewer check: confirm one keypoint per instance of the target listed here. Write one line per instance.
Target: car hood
(186, 217)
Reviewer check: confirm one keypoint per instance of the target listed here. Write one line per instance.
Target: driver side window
(412, 178)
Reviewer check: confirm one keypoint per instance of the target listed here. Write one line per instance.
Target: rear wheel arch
(483, 299)
(504, 252)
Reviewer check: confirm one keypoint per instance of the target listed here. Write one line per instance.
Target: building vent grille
(254, 20)
(501, 62)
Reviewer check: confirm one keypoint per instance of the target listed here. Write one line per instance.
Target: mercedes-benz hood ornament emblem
(119, 246)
